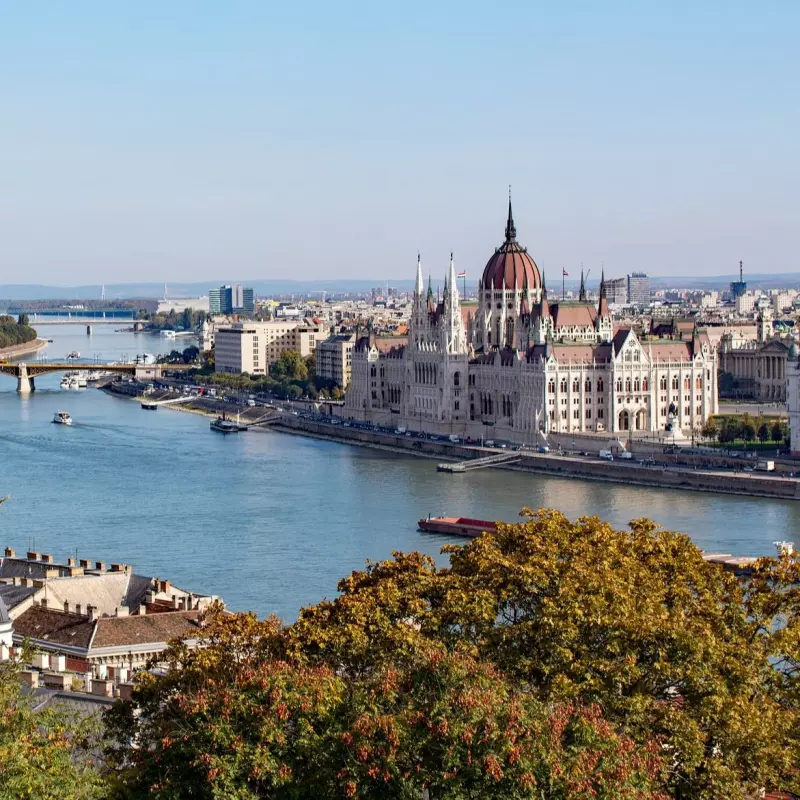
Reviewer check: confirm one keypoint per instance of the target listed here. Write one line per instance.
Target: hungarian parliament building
(518, 365)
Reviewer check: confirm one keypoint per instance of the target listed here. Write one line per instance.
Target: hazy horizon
(188, 141)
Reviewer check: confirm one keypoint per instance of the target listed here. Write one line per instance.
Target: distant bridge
(25, 372)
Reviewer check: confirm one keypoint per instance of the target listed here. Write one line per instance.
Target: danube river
(270, 521)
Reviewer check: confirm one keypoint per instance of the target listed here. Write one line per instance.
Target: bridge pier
(25, 384)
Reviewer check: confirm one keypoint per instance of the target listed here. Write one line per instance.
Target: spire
(452, 287)
(544, 285)
(511, 231)
(544, 306)
(582, 293)
(420, 287)
(430, 290)
(602, 306)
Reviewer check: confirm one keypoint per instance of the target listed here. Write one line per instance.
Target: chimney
(128, 569)
(43, 602)
(75, 571)
(150, 597)
(10, 553)
(121, 611)
(15, 581)
(117, 567)
(66, 606)
(174, 601)
(100, 565)
(33, 556)
(78, 608)
(47, 558)
(85, 563)
(91, 611)
(71, 562)
(165, 587)
(142, 610)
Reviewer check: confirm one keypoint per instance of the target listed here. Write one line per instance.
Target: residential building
(519, 366)
(745, 303)
(617, 291)
(252, 346)
(638, 289)
(333, 358)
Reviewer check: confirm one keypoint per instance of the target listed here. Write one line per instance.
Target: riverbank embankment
(17, 351)
(584, 468)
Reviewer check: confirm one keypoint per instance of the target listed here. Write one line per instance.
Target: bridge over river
(26, 372)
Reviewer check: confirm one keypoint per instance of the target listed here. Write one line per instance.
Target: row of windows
(576, 414)
(576, 385)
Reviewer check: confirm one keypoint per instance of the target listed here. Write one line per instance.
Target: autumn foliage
(550, 660)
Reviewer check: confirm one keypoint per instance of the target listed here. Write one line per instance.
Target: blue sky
(200, 140)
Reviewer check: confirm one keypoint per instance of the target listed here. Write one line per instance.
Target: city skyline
(188, 142)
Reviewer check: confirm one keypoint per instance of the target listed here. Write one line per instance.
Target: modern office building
(231, 299)
(638, 289)
(617, 291)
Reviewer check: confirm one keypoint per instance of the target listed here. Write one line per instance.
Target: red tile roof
(54, 626)
(124, 631)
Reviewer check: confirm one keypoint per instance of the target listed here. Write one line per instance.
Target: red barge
(457, 526)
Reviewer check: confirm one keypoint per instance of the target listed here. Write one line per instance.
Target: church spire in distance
(582, 294)
(420, 287)
(511, 231)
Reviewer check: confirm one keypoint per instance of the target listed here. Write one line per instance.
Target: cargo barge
(457, 526)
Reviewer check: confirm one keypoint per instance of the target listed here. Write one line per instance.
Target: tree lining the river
(15, 330)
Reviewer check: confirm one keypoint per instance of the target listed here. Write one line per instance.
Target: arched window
(599, 384)
(637, 386)
(627, 384)
(674, 381)
(687, 383)
(576, 385)
(373, 372)
(587, 386)
(698, 382)
(457, 379)
(663, 383)
(645, 385)
(619, 384)
(551, 386)
(563, 384)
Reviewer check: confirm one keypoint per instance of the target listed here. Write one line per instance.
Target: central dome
(511, 266)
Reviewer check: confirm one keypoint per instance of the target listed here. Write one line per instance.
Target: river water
(271, 521)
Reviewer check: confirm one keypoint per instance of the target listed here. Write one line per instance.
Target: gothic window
(636, 356)
(456, 405)
(551, 386)
(457, 379)
(687, 383)
(576, 414)
(674, 381)
(599, 413)
(599, 384)
(588, 413)
(563, 384)
(663, 382)
(372, 371)
(619, 384)
(627, 384)
(687, 411)
(645, 385)
(576, 385)
(698, 382)
(587, 387)
(637, 386)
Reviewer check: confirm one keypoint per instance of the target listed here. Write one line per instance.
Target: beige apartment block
(334, 358)
(252, 346)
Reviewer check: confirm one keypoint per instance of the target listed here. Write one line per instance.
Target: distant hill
(22, 291)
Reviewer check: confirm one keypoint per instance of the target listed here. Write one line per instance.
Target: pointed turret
(511, 231)
(582, 293)
(420, 287)
(544, 306)
(602, 306)
(451, 292)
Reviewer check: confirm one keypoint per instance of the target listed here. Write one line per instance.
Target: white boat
(62, 418)
(65, 382)
(81, 379)
(73, 383)
(74, 354)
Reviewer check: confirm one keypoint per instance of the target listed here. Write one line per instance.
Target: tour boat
(62, 418)
(223, 425)
(149, 406)
(65, 382)
(457, 526)
(74, 354)
(81, 379)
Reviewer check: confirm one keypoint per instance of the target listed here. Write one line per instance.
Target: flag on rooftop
(563, 271)
(462, 274)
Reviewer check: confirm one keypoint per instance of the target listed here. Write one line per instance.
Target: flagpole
(465, 287)
(563, 285)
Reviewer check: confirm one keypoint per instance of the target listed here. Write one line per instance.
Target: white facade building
(333, 358)
(519, 366)
(252, 346)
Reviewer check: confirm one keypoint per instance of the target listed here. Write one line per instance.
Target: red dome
(511, 266)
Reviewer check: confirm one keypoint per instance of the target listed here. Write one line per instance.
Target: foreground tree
(44, 754)
(241, 719)
(551, 659)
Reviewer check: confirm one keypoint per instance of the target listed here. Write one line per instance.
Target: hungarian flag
(563, 271)
(462, 274)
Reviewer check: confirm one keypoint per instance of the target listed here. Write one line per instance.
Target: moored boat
(149, 406)
(457, 526)
(62, 418)
(223, 425)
